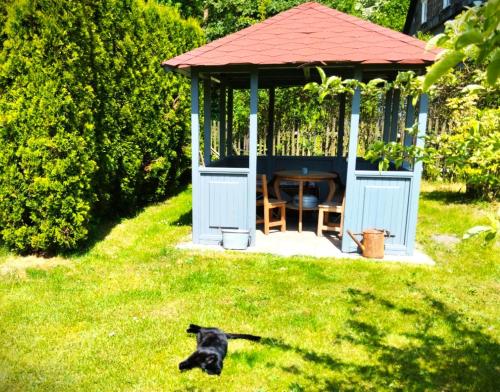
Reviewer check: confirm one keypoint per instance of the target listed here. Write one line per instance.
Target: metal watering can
(372, 245)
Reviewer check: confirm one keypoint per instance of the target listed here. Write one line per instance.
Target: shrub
(89, 122)
(472, 151)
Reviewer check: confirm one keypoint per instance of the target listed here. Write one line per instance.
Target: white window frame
(446, 3)
(423, 11)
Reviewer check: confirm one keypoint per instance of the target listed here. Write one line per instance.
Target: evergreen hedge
(89, 122)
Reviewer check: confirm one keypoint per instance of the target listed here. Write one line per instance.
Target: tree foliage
(470, 150)
(187, 8)
(89, 122)
(474, 34)
(222, 17)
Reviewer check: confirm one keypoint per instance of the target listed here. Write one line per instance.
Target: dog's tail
(193, 328)
(243, 336)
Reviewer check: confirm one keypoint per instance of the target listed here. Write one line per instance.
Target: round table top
(310, 176)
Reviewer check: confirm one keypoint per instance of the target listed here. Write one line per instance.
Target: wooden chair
(324, 209)
(269, 205)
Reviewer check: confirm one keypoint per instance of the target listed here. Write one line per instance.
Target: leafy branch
(474, 34)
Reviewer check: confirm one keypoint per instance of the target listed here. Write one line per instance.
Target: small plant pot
(235, 239)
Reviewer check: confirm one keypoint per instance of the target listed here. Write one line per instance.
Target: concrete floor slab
(307, 243)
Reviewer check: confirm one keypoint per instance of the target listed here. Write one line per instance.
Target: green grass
(114, 317)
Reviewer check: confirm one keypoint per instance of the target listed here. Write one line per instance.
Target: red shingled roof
(309, 33)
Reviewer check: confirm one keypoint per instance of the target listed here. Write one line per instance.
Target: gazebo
(284, 51)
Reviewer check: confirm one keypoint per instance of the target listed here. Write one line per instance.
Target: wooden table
(300, 178)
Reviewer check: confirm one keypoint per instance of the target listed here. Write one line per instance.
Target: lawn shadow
(103, 226)
(359, 297)
(462, 359)
(186, 219)
(97, 233)
(448, 197)
(308, 355)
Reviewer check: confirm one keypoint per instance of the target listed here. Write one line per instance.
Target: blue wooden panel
(224, 202)
(384, 207)
(380, 200)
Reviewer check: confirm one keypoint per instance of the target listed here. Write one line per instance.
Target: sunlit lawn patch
(114, 318)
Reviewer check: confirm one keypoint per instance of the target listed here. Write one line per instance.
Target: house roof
(308, 34)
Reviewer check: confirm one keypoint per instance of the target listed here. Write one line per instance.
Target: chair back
(343, 200)
(262, 187)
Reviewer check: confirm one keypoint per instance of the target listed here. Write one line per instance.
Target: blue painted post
(195, 151)
(351, 163)
(410, 118)
(252, 175)
(341, 127)
(417, 175)
(387, 116)
(395, 115)
(270, 123)
(207, 121)
(222, 121)
(230, 98)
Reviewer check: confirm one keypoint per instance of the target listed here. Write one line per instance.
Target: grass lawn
(113, 318)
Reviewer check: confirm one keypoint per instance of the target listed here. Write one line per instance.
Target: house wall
(436, 15)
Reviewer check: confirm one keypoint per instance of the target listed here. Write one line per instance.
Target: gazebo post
(230, 97)
(270, 123)
(341, 126)
(395, 115)
(207, 121)
(351, 160)
(387, 116)
(410, 118)
(222, 121)
(252, 159)
(417, 176)
(195, 146)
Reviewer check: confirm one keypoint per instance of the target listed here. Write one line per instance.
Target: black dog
(211, 349)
